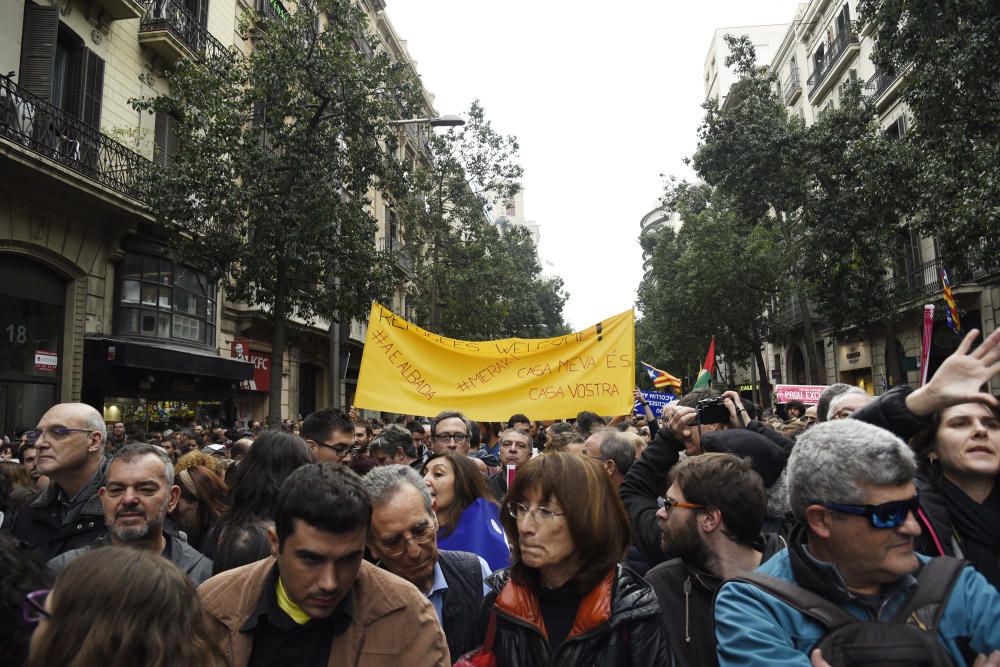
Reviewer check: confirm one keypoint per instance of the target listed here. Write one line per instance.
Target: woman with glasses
(120, 607)
(565, 600)
(468, 517)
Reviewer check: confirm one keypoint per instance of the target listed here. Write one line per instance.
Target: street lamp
(436, 121)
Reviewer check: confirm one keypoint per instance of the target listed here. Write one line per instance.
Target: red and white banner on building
(925, 352)
(240, 349)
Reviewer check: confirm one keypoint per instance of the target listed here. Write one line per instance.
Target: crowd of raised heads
(859, 530)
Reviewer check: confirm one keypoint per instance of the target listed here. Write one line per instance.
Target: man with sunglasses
(403, 540)
(330, 436)
(69, 445)
(851, 489)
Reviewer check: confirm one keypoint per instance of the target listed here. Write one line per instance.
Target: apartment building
(718, 77)
(93, 309)
(649, 225)
(823, 50)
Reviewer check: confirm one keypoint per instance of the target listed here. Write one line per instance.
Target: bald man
(69, 441)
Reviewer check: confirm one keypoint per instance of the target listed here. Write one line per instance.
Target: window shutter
(93, 90)
(76, 65)
(167, 143)
(38, 49)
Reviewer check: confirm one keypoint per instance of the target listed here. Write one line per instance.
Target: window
(161, 299)
(166, 145)
(897, 129)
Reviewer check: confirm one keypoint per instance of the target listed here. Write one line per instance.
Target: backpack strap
(935, 582)
(819, 609)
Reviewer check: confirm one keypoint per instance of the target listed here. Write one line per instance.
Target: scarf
(977, 528)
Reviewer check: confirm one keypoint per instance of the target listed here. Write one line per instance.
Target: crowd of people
(858, 531)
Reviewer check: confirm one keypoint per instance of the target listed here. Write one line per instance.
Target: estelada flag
(662, 379)
(705, 376)
(954, 322)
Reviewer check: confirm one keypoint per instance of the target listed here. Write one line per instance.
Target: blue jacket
(754, 628)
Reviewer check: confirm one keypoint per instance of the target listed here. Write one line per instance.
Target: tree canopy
(279, 152)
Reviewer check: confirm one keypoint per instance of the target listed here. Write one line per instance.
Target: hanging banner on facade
(261, 381)
(408, 370)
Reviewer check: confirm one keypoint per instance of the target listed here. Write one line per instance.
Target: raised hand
(960, 377)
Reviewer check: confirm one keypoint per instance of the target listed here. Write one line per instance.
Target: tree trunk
(279, 324)
(812, 362)
(762, 377)
(894, 367)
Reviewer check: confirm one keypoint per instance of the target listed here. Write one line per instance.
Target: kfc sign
(261, 365)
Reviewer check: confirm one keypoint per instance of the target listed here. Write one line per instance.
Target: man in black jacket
(403, 538)
(647, 478)
(711, 522)
(69, 442)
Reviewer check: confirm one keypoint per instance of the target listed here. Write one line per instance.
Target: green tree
(836, 193)
(279, 152)
(947, 52)
(475, 279)
(700, 287)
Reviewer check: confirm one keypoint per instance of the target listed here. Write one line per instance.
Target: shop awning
(159, 357)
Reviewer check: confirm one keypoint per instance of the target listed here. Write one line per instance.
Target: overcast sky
(603, 98)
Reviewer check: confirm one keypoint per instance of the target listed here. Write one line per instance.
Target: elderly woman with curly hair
(566, 600)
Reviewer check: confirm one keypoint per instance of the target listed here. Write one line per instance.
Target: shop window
(161, 299)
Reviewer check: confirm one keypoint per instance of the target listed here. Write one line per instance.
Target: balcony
(394, 247)
(115, 10)
(823, 76)
(884, 86)
(792, 87)
(270, 10)
(35, 126)
(173, 32)
(920, 281)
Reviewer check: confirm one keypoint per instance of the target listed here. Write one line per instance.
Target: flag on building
(662, 379)
(954, 322)
(705, 376)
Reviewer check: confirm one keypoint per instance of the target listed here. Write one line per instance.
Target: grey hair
(830, 393)
(840, 398)
(832, 463)
(618, 447)
(136, 450)
(383, 483)
(394, 437)
(525, 434)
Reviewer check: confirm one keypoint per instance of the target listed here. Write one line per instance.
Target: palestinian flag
(705, 376)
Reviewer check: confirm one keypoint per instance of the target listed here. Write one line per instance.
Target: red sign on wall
(240, 349)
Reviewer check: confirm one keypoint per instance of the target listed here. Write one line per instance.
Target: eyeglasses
(33, 607)
(420, 535)
(444, 438)
(667, 504)
(541, 514)
(887, 515)
(340, 450)
(55, 432)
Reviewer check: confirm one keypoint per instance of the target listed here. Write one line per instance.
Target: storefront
(32, 304)
(855, 365)
(155, 386)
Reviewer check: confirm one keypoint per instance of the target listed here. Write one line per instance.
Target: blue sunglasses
(887, 515)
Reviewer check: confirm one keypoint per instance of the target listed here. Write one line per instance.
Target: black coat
(461, 602)
(631, 632)
(687, 596)
(43, 526)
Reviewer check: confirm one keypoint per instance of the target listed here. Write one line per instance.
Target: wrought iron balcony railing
(175, 17)
(883, 80)
(921, 280)
(835, 50)
(394, 247)
(54, 134)
(793, 86)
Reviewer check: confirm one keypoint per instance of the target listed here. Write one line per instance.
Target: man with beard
(710, 523)
(137, 495)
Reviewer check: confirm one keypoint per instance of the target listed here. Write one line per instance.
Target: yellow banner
(409, 370)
